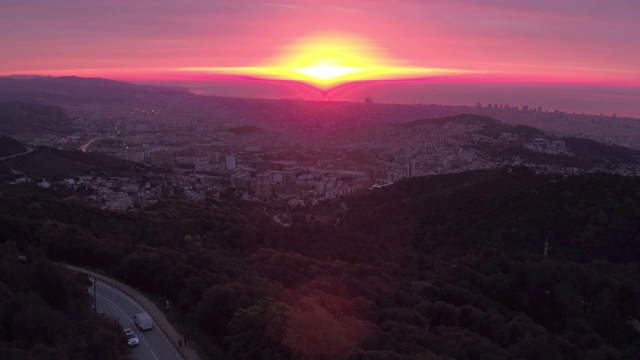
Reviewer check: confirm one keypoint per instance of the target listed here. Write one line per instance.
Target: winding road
(29, 150)
(120, 307)
(85, 146)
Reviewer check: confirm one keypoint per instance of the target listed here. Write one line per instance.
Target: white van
(143, 321)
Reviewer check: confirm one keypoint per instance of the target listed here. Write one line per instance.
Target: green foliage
(45, 313)
(257, 331)
(443, 267)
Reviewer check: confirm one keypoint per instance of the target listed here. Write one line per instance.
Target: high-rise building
(368, 99)
(264, 177)
(230, 162)
(134, 155)
(288, 177)
(262, 189)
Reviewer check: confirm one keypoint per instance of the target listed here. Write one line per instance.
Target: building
(264, 177)
(288, 177)
(368, 99)
(239, 180)
(194, 162)
(230, 162)
(134, 155)
(262, 189)
(293, 203)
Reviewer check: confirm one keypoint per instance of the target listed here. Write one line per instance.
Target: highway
(120, 307)
(85, 146)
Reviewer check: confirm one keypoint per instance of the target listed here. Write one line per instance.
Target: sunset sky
(562, 48)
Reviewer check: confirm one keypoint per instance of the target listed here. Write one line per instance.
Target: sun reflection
(329, 60)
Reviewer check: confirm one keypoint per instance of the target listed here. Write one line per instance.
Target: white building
(231, 162)
(197, 162)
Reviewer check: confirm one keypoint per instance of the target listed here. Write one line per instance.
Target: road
(29, 150)
(85, 147)
(120, 307)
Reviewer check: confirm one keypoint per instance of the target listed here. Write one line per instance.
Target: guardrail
(145, 307)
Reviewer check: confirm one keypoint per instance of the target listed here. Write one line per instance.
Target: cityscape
(290, 160)
(319, 180)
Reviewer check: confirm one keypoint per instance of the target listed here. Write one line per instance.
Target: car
(132, 339)
(143, 321)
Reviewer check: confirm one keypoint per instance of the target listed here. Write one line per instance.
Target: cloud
(533, 35)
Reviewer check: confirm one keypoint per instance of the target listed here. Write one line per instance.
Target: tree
(319, 328)
(257, 331)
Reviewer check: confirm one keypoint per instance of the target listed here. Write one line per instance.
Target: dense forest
(490, 264)
(9, 146)
(46, 313)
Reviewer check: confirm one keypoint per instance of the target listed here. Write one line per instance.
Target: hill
(588, 149)
(75, 90)
(10, 146)
(17, 118)
(448, 266)
(46, 313)
(54, 164)
(500, 143)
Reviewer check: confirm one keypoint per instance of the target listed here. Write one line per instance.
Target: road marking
(139, 332)
(125, 314)
(119, 308)
(152, 353)
(146, 343)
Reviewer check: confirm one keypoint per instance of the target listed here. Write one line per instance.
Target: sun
(327, 72)
(328, 60)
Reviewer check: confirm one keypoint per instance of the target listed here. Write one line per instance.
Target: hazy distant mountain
(25, 77)
(19, 118)
(72, 89)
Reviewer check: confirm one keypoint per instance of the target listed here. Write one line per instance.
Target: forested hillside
(45, 313)
(18, 117)
(10, 146)
(449, 266)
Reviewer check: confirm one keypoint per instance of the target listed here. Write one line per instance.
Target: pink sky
(551, 41)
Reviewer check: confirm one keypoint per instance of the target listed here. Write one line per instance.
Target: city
(319, 180)
(289, 163)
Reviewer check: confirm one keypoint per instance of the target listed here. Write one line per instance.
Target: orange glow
(329, 60)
